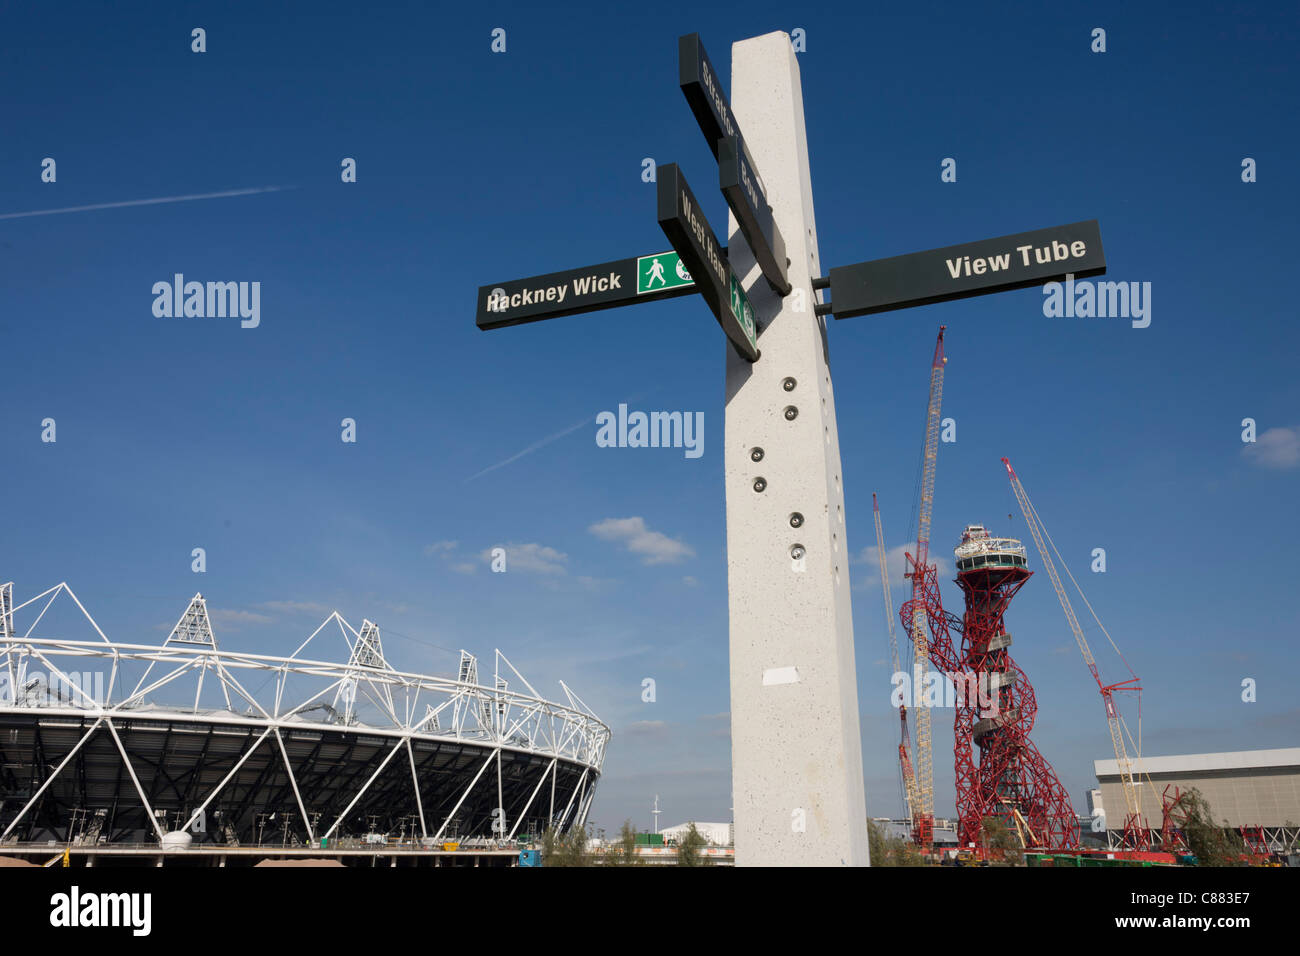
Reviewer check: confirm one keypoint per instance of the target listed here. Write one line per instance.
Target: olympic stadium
(184, 745)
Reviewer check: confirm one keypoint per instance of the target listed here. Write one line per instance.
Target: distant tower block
(1011, 781)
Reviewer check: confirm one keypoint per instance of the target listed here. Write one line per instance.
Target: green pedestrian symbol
(661, 271)
(656, 272)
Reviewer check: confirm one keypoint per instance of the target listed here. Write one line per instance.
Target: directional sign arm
(738, 178)
(739, 185)
(683, 222)
(698, 81)
(1017, 261)
(571, 292)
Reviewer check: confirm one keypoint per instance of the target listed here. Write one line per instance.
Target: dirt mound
(299, 863)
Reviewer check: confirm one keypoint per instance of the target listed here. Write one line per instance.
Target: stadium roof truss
(338, 743)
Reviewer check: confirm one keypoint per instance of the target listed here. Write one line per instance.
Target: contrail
(145, 202)
(533, 447)
(550, 438)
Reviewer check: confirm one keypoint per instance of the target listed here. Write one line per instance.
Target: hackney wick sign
(605, 286)
(698, 263)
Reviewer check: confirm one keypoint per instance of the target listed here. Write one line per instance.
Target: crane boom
(931, 453)
(904, 745)
(1132, 801)
(884, 583)
(920, 617)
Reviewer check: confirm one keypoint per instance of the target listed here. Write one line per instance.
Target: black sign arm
(683, 222)
(739, 185)
(606, 285)
(692, 65)
(1018, 261)
(829, 307)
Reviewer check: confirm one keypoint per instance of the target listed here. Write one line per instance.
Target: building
(943, 836)
(1092, 825)
(1252, 789)
(716, 834)
(1095, 821)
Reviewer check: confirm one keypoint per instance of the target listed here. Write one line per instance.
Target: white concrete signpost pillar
(796, 748)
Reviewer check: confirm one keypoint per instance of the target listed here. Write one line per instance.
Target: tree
(1000, 844)
(907, 853)
(623, 853)
(891, 851)
(550, 847)
(565, 849)
(688, 848)
(1213, 844)
(876, 845)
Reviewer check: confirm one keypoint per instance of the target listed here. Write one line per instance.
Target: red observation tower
(1010, 781)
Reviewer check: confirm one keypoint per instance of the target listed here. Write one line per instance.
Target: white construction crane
(904, 745)
(1135, 830)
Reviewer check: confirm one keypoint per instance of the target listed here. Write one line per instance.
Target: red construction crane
(925, 605)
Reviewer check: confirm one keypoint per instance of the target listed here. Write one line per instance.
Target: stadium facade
(106, 743)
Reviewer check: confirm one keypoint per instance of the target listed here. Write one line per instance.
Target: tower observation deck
(978, 549)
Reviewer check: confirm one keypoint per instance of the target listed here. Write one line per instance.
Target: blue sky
(476, 167)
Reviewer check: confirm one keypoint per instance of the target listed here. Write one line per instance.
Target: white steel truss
(1280, 840)
(189, 685)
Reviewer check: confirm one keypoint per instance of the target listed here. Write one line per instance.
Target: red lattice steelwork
(1008, 779)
